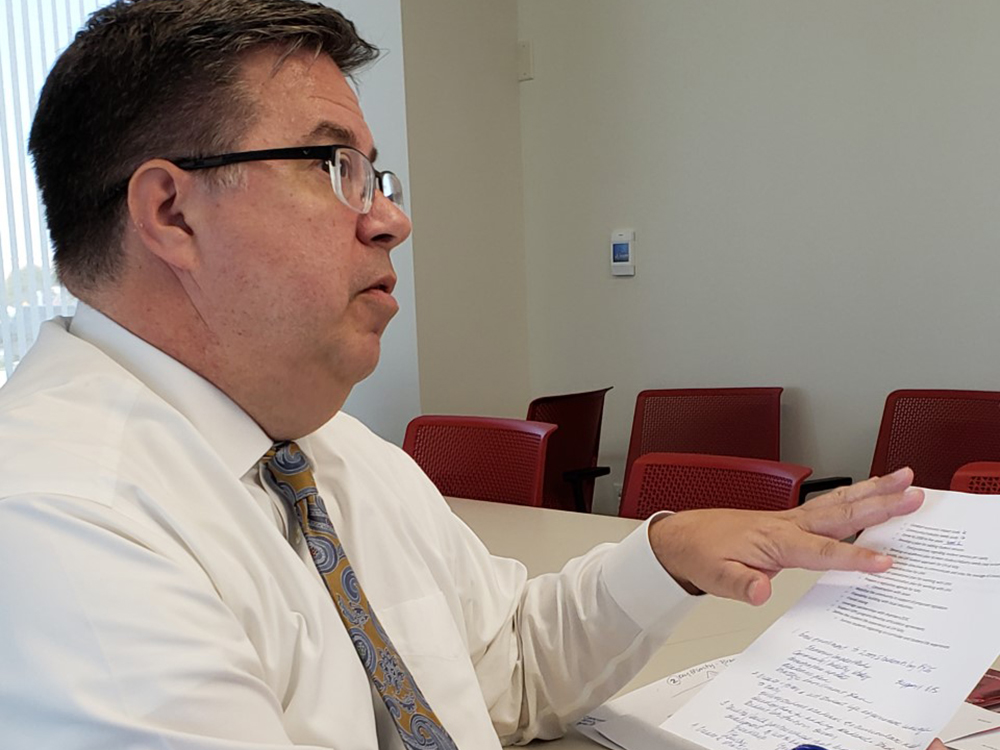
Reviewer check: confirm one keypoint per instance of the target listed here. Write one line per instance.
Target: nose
(385, 225)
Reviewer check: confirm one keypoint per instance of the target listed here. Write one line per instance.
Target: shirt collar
(236, 438)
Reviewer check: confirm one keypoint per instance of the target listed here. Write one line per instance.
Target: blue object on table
(809, 747)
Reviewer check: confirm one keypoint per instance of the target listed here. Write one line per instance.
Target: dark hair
(155, 78)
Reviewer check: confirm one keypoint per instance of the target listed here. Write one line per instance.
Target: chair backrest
(573, 446)
(685, 481)
(721, 421)
(936, 432)
(978, 477)
(482, 458)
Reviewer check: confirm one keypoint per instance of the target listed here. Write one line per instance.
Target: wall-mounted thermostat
(623, 253)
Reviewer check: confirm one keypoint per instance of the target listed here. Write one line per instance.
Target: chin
(366, 364)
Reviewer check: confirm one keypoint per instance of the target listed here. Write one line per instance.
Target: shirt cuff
(640, 585)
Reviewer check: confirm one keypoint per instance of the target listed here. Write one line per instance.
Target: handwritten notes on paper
(632, 721)
(869, 662)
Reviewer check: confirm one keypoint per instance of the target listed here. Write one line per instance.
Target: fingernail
(911, 493)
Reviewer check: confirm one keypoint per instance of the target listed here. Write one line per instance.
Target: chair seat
(935, 432)
(744, 422)
(571, 458)
(688, 481)
(978, 477)
(483, 458)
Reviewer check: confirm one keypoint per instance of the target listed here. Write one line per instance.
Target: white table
(545, 539)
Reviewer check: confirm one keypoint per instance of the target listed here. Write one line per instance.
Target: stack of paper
(633, 721)
(861, 662)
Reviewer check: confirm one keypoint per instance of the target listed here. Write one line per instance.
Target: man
(172, 576)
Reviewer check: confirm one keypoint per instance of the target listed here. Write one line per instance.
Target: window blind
(32, 35)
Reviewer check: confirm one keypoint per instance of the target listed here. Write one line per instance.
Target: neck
(287, 403)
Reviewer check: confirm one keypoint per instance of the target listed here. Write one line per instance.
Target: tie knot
(289, 470)
(287, 458)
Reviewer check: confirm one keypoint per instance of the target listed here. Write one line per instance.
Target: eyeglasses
(352, 174)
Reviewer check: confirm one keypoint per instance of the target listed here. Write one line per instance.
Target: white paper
(614, 724)
(632, 721)
(986, 741)
(869, 662)
(969, 720)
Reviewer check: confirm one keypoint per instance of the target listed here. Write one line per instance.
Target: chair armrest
(579, 475)
(822, 484)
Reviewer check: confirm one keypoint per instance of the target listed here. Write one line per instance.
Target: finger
(820, 553)
(890, 484)
(844, 519)
(759, 590)
(936, 745)
(734, 580)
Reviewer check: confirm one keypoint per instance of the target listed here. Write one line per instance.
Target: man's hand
(735, 553)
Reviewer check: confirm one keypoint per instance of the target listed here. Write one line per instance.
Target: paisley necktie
(287, 470)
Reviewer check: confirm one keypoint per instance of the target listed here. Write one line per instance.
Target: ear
(157, 194)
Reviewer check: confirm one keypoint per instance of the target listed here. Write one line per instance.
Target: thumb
(739, 582)
(759, 590)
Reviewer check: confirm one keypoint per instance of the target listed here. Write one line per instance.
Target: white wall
(815, 188)
(390, 397)
(468, 225)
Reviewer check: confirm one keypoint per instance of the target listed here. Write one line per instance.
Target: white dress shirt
(155, 595)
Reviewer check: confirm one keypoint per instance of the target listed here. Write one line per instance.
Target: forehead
(304, 95)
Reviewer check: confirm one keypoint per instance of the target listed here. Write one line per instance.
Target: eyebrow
(340, 135)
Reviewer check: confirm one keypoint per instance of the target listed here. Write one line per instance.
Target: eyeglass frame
(326, 153)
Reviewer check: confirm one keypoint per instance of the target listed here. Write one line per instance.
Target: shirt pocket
(424, 628)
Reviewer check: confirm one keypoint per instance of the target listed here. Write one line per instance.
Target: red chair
(743, 422)
(571, 461)
(935, 432)
(482, 458)
(978, 477)
(686, 481)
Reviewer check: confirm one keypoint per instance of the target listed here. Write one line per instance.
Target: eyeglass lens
(353, 178)
(352, 182)
(392, 188)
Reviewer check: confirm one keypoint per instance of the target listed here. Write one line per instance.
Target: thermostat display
(623, 253)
